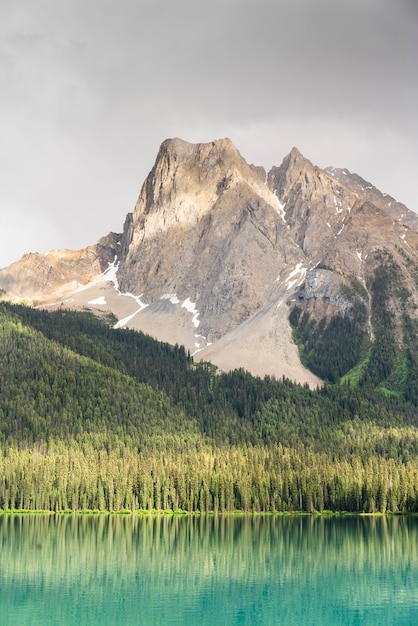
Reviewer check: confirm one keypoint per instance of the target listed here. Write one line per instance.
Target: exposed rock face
(203, 223)
(217, 251)
(39, 276)
(334, 218)
(322, 295)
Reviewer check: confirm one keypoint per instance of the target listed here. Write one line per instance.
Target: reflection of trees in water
(82, 546)
(201, 569)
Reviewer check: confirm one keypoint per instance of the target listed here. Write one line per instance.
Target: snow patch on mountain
(340, 231)
(338, 205)
(100, 301)
(191, 308)
(280, 207)
(296, 276)
(172, 297)
(111, 275)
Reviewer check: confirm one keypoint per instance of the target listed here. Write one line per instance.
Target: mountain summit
(222, 257)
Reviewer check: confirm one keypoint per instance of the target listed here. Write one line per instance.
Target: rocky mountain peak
(295, 170)
(216, 252)
(185, 151)
(296, 158)
(201, 162)
(186, 179)
(201, 206)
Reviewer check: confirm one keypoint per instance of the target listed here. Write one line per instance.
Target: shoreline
(167, 513)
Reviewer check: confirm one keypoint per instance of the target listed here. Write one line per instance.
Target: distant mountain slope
(42, 276)
(218, 255)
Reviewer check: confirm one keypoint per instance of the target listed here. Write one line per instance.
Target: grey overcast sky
(90, 88)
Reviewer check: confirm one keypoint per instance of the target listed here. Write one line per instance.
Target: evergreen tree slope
(50, 390)
(340, 348)
(102, 419)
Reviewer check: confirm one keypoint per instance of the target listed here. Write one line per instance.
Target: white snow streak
(172, 297)
(111, 275)
(188, 305)
(338, 205)
(191, 308)
(125, 320)
(280, 207)
(100, 300)
(298, 274)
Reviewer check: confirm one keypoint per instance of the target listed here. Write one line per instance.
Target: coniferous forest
(93, 418)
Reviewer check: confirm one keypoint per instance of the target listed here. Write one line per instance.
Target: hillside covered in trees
(341, 348)
(104, 419)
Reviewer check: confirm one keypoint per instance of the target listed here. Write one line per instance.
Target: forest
(93, 418)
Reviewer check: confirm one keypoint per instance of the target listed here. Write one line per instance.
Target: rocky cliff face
(206, 227)
(219, 252)
(39, 276)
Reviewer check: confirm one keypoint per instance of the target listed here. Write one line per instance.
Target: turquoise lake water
(111, 570)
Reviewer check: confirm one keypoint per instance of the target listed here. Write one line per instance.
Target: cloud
(90, 88)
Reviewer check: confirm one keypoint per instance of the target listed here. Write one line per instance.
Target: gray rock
(221, 249)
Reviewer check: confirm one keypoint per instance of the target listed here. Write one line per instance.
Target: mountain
(40, 276)
(304, 272)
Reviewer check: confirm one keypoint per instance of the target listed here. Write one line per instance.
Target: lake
(111, 570)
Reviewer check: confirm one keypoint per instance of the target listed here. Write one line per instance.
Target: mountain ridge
(217, 253)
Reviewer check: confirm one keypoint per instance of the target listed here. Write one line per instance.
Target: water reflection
(111, 570)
